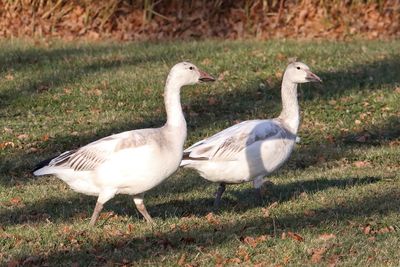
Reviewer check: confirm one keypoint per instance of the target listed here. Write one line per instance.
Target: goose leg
(104, 196)
(218, 195)
(138, 199)
(257, 184)
(96, 213)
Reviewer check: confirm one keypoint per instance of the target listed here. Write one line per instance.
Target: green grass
(343, 178)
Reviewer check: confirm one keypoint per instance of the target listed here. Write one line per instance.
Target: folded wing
(89, 157)
(227, 144)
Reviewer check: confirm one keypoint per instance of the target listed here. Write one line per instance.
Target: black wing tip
(42, 164)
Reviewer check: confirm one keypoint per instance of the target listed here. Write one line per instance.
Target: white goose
(131, 162)
(252, 149)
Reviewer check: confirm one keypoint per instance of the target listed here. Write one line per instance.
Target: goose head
(186, 73)
(298, 72)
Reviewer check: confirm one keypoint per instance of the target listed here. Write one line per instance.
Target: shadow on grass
(206, 237)
(68, 70)
(60, 209)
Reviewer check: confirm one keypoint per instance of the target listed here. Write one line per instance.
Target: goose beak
(205, 77)
(311, 77)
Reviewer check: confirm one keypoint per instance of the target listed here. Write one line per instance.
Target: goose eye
(298, 68)
(191, 68)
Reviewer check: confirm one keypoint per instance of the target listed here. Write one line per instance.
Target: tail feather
(45, 167)
(41, 165)
(186, 159)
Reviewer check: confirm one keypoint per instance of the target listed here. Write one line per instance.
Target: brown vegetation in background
(171, 19)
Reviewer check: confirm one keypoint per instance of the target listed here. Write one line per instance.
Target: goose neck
(290, 114)
(173, 106)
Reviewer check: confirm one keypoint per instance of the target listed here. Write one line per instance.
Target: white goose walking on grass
(131, 162)
(252, 149)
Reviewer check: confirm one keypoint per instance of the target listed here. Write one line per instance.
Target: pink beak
(205, 77)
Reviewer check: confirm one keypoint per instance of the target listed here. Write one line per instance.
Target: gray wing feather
(89, 157)
(226, 144)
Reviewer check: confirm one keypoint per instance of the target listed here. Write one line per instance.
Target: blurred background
(195, 19)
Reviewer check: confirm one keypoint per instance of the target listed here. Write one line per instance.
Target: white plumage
(131, 162)
(252, 149)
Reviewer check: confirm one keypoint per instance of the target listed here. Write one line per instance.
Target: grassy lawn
(336, 202)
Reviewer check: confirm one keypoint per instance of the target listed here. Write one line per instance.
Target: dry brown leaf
(7, 144)
(361, 164)
(45, 137)
(327, 236)
(250, 241)
(9, 77)
(66, 229)
(182, 260)
(16, 200)
(317, 255)
(23, 136)
(242, 252)
(235, 260)
(8, 130)
(309, 213)
(280, 57)
(367, 230)
(295, 236)
(212, 219)
(283, 235)
(266, 211)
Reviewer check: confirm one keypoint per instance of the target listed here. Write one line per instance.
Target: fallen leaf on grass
(266, 211)
(280, 57)
(182, 260)
(235, 260)
(327, 236)
(295, 236)
(250, 241)
(367, 229)
(22, 136)
(242, 252)
(309, 213)
(7, 130)
(45, 137)
(16, 200)
(332, 102)
(361, 164)
(9, 77)
(317, 255)
(66, 229)
(212, 220)
(7, 144)
(130, 228)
